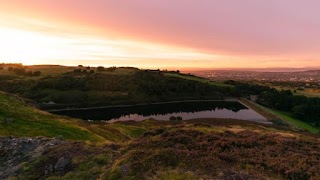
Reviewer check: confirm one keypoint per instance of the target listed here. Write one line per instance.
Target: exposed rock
(15, 151)
(62, 164)
(48, 170)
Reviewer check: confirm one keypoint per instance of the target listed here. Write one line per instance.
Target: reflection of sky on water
(186, 110)
(244, 114)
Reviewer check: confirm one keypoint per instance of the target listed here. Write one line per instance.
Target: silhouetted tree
(100, 68)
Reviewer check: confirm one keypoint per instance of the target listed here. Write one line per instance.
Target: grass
(294, 121)
(51, 70)
(46, 70)
(173, 174)
(28, 121)
(150, 149)
(193, 149)
(181, 151)
(129, 130)
(308, 93)
(291, 120)
(55, 70)
(196, 78)
(19, 119)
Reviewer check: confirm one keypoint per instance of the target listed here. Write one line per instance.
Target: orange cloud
(208, 34)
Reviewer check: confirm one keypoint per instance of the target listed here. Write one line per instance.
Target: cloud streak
(269, 33)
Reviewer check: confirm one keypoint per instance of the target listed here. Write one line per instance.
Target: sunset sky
(162, 33)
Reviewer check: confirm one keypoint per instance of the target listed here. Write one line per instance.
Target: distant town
(303, 76)
(305, 83)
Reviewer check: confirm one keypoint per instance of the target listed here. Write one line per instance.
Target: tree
(100, 68)
(80, 66)
(10, 69)
(111, 69)
(91, 71)
(299, 111)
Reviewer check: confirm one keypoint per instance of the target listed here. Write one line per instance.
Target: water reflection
(186, 110)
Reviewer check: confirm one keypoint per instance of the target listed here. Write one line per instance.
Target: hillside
(59, 87)
(35, 144)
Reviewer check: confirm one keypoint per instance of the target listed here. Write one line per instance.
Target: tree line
(23, 72)
(146, 82)
(302, 107)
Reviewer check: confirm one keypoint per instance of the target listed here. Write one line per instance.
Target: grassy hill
(196, 78)
(193, 149)
(99, 86)
(17, 118)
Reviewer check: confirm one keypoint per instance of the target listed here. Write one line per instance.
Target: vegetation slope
(200, 148)
(38, 145)
(98, 86)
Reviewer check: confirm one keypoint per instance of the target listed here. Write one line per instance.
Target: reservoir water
(163, 111)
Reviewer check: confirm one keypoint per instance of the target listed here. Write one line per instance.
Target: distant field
(196, 78)
(54, 70)
(46, 70)
(307, 92)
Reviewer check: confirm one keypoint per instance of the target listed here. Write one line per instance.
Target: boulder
(62, 164)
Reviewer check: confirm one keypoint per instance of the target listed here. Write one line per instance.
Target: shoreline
(140, 104)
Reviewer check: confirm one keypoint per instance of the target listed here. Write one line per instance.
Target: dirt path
(258, 109)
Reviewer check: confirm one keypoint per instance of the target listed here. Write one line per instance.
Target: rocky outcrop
(15, 151)
(62, 164)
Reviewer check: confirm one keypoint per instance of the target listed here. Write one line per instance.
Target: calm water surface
(186, 110)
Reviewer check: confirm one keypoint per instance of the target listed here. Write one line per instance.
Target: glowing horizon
(141, 34)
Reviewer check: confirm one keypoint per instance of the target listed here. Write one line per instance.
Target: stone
(62, 163)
